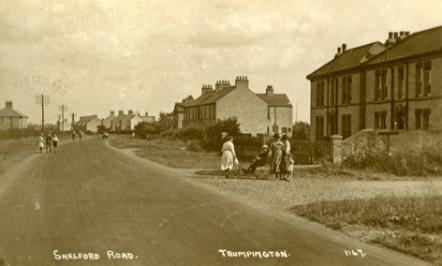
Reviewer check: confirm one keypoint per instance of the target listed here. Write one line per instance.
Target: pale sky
(102, 55)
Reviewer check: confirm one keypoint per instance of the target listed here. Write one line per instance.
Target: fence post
(336, 148)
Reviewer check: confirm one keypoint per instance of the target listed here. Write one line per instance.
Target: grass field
(168, 152)
(409, 224)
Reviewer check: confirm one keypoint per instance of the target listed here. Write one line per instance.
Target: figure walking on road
(79, 134)
(41, 143)
(73, 135)
(49, 142)
(229, 156)
(55, 142)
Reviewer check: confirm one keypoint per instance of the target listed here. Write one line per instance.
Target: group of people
(278, 156)
(48, 142)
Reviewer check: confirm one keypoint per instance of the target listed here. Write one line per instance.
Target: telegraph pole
(63, 108)
(42, 100)
(73, 121)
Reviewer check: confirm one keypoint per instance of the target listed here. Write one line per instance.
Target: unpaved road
(92, 198)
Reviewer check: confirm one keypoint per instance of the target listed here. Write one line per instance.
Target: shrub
(405, 161)
(213, 139)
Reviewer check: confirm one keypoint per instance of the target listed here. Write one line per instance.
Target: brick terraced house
(396, 85)
(265, 113)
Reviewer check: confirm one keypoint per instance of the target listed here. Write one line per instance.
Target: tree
(165, 122)
(213, 139)
(301, 130)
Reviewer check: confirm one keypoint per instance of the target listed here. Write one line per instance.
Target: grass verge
(173, 153)
(411, 224)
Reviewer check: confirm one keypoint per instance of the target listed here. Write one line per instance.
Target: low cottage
(10, 118)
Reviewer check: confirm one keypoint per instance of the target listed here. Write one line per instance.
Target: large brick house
(265, 113)
(394, 85)
(10, 118)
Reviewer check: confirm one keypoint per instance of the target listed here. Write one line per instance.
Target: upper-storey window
(381, 85)
(333, 91)
(400, 82)
(320, 93)
(423, 79)
(346, 89)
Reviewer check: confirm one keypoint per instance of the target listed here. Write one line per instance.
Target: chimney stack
(269, 90)
(8, 104)
(206, 88)
(120, 112)
(396, 35)
(344, 47)
(112, 113)
(146, 114)
(241, 82)
(130, 112)
(221, 84)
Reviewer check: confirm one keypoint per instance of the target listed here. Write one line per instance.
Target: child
(41, 143)
(55, 142)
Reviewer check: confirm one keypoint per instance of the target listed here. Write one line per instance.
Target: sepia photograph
(220, 132)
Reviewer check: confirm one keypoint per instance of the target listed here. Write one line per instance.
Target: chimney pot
(396, 34)
(390, 35)
(269, 90)
(339, 50)
(344, 47)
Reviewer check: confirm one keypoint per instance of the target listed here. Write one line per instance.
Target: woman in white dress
(229, 156)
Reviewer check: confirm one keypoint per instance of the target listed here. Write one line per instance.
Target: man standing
(48, 142)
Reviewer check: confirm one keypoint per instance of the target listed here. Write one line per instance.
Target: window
(380, 120)
(319, 127)
(419, 79)
(346, 126)
(417, 115)
(427, 78)
(320, 93)
(332, 122)
(346, 89)
(334, 86)
(422, 118)
(400, 83)
(381, 90)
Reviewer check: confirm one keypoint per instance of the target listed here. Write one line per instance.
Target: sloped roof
(421, 42)
(9, 112)
(86, 119)
(275, 100)
(179, 107)
(211, 96)
(350, 58)
(123, 117)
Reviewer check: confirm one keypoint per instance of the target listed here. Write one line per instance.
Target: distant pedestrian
(48, 142)
(73, 135)
(276, 151)
(229, 156)
(133, 134)
(80, 134)
(55, 142)
(41, 143)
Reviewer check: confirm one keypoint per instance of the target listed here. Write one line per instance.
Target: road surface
(91, 200)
